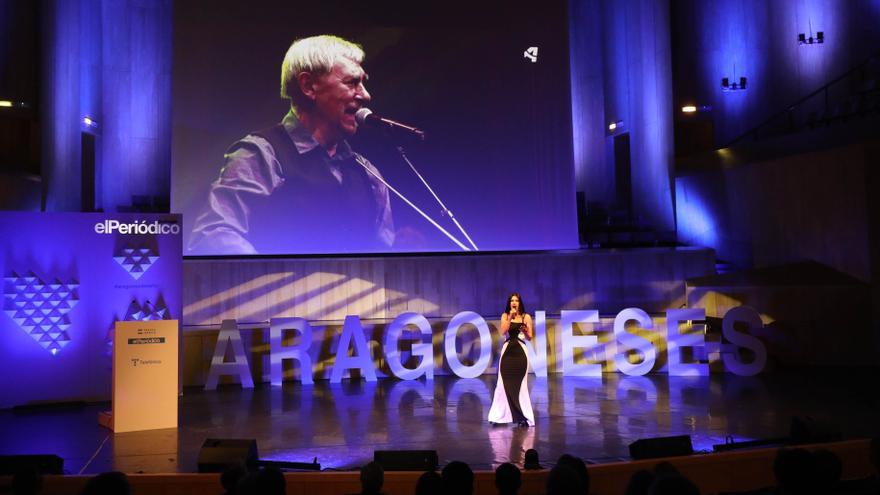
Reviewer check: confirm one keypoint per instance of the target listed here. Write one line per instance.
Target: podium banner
(145, 375)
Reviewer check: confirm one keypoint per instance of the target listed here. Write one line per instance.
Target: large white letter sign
(278, 352)
(731, 360)
(569, 341)
(419, 348)
(626, 341)
(362, 360)
(455, 364)
(675, 341)
(537, 348)
(229, 335)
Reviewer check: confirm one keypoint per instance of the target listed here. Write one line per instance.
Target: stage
(343, 424)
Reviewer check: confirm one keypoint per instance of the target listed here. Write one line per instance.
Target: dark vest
(312, 212)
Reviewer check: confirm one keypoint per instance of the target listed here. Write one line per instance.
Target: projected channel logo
(531, 54)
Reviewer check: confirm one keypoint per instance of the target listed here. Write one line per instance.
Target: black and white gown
(511, 403)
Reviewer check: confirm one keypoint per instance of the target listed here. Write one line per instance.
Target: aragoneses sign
(353, 351)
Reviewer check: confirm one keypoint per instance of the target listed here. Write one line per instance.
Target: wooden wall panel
(440, 286)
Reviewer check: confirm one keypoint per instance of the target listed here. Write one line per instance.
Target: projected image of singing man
(298, 186)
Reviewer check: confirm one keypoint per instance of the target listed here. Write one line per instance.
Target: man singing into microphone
(298, 186)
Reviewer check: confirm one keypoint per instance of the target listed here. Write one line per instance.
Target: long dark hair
(522, 305)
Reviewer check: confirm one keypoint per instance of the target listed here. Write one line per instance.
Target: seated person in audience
(372, 479)
(667, 480)
(828, 470)
(508, 479)
(640, 483)
(675, 484)
(458, 479)
(874, 453)
(580, 469)
(430, 483)
(795, 472)
(112, 483)
(563, 480)
(532, 461)
(230, 478)
(266, 481)
(27, 481)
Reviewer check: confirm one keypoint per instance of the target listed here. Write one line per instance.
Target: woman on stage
(511, 403)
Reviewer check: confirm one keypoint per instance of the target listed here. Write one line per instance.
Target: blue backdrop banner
(67, 278)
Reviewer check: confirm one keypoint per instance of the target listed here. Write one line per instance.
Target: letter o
(455, 364)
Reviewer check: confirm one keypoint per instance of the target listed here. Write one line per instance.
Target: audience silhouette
(797, 472)
(112, 483)
(266, 481)
(372, 478)
(231, 477)
(508, 479)
(430, 483)
(458, 479)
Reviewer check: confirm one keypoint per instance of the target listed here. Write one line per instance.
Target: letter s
(750, 317)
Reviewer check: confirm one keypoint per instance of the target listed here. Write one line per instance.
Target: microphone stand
(444, 209)
(362, 162)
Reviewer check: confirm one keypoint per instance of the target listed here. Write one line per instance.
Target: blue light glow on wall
(694, 216)
(737, 42)
(758, 40)
(815, 62)
(109, 61)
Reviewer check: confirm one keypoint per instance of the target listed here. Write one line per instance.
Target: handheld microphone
(366, 117)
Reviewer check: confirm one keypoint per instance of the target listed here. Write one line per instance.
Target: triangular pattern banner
(40, 309)
(136, 260)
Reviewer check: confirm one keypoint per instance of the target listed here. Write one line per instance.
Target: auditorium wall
(758, 40)
(109, 61)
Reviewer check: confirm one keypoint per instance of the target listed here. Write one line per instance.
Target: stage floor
(341, 425)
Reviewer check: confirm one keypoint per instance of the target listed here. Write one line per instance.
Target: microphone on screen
(366, 117)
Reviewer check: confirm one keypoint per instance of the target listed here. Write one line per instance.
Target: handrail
(789, 108)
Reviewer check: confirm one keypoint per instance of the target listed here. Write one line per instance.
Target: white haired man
(298, 186)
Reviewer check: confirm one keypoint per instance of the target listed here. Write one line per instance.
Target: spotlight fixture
(13, 104)
(804, 40)
(615, 125)
(89, 122)
(726, 85)
(696, 108)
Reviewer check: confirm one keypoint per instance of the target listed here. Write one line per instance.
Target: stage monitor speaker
(807, 429)
(44, 464)
(219, 453)
(407, 460)
(651, 448)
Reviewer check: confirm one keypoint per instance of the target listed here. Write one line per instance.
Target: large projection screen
(488, 83)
